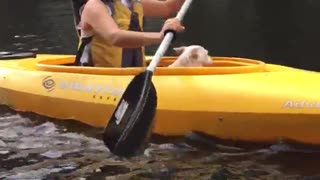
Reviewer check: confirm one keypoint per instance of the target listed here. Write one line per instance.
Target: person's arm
(161, 8)
(97, 16)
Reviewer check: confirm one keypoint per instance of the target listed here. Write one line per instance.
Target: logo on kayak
(301, 104)
(48, 83)
(90, 88)
(103, 89)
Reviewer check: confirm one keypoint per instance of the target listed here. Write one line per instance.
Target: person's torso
(128, 15)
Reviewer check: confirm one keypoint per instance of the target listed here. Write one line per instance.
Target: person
(111, 33)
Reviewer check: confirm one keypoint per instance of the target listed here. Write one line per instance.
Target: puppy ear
(195, 50)
(194, 54)
(179, 50)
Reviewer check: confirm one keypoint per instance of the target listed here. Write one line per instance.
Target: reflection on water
(282, 32)
(35, 25)
(31, 147)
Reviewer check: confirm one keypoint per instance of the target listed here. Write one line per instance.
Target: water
(34, 147)
(282, 32)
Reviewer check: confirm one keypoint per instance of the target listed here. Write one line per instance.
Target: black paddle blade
(131, 122)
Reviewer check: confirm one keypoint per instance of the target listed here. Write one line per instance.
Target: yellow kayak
(234, 98)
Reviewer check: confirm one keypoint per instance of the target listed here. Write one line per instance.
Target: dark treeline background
(275, 31)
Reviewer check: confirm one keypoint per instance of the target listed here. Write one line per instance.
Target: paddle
(131, 122)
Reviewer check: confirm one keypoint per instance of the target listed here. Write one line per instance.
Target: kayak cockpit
(221, 65)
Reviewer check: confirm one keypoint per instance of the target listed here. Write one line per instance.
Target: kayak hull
(265, 105)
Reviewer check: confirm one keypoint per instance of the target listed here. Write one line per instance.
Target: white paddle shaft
(168, 38)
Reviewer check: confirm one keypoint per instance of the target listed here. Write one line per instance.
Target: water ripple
(31, 147)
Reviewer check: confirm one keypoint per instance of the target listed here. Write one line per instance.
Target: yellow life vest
(95, 51)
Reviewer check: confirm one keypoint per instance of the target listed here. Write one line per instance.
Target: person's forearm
(132, 39)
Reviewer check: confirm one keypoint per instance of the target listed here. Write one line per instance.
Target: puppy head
(196, 55)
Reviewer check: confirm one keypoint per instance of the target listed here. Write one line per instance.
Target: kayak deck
(235, 98)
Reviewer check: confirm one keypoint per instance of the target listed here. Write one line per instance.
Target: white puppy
(191, 56)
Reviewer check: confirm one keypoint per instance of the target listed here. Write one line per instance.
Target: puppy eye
(194, 56)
